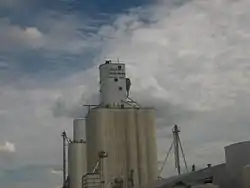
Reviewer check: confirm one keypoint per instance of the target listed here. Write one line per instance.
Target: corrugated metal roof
(192, 178)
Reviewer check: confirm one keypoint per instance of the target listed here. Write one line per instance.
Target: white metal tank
(77, 164)
(79, 129)
(246, 176)
(237, 157)
(112, 84)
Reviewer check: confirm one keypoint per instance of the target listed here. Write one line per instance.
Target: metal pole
(64, 156)
(176, 149)
(183, 155)
(165, 160)
(101, 171)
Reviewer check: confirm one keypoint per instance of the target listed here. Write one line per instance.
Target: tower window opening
(119, 67)
(116, 79)
(120, 88)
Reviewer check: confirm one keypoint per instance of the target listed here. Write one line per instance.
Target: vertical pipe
(101, 169)
(183, 155)
(64, 156)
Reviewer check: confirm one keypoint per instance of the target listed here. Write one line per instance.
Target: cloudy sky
(187, 58)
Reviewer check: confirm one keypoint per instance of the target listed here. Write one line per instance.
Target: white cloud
(33, 33)
(28, 121)
(14, 37)
(191, 62)
(187, 55)
(54, 34)
(8, 147)
(56, 172)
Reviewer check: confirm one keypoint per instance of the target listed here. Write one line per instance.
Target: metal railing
(91, 180)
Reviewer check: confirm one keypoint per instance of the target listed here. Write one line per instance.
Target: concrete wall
(128, 137)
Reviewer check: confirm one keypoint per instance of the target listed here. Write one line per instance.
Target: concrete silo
(127, 136)
(77, 162)
(79, 129)
(151, 145)
(131, 146)
(125, 133)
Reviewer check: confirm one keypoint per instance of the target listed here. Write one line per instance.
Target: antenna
(176, 143)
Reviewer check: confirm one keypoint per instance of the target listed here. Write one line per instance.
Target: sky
(188, 59)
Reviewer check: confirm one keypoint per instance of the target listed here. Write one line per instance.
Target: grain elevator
(120, 144)
(77, 162)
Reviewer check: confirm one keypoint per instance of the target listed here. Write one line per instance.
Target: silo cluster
(120, 142)
(128, 137)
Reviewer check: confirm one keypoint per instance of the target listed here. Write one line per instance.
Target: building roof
(192, 178)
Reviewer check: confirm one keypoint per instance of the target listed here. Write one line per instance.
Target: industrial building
(234, 173)
(120, 146)
(114, 146)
